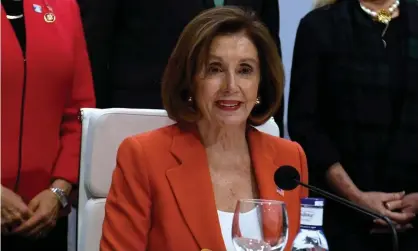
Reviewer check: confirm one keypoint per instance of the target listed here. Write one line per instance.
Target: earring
(257, 101)
(190, 99)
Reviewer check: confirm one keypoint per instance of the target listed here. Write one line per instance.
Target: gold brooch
(384, 16)
(49, 17)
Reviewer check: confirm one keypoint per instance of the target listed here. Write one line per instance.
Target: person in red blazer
(45, 80)
(223, 77)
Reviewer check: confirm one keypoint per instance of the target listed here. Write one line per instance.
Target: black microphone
(288, 178)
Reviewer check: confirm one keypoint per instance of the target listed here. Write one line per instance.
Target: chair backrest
(103, 131)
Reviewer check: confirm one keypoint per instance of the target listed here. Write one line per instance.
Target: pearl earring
(190, 99)
(257, 101)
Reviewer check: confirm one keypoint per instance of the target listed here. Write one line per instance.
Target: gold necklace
(383, 15)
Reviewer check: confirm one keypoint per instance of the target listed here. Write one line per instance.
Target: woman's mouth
(228, 105)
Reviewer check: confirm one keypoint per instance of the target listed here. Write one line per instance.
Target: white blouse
(249, 223)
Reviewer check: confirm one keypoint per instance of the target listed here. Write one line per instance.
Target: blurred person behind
(353, 107)
(223, 77)
(129, 43)
(45, 80)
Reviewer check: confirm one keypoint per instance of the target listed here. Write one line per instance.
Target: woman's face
(227, 85)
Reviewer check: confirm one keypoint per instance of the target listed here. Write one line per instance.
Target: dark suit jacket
(161, 197)
(130, 41)
(345, 104)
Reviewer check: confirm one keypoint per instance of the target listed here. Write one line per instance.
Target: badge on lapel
(49, 16)
(280, 191)
(37, 8)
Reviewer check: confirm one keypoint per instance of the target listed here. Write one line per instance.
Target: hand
(385, 204)
(410, 203)
(13, 210)
(46, 207)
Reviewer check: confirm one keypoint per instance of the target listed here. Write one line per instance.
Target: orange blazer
(161, 197)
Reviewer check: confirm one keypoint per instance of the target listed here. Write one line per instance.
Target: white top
(248, 225)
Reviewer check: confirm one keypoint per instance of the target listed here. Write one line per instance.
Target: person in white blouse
(176, 187)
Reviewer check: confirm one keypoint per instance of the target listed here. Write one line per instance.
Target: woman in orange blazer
(45, 80)
(223, 77)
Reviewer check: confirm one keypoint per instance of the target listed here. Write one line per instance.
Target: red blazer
(41, 98)
(161, 196)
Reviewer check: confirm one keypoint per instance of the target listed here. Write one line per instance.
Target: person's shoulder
(148, 149)
(323, 16)
(320, 26)
(67, 13)
(155, 139)
(326, 10)
(69, 5)
(280, 144)
(283, 151)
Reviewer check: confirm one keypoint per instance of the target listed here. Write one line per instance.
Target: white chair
(103, 131)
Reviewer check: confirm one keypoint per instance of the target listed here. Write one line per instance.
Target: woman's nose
(230, 81)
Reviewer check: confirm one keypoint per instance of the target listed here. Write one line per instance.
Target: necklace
(382, 16)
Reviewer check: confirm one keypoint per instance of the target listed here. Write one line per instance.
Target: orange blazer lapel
(192, 187)
(263, 155)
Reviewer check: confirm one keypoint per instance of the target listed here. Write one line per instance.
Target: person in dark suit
(353, 107)
(129, 43)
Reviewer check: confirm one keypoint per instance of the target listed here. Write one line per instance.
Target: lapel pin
(280, 191)
(49, 17)
(37, 8)
(205, 249)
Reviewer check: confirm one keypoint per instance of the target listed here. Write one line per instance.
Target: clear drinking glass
(260, 225)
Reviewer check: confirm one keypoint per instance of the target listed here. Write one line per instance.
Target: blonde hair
(320, 3)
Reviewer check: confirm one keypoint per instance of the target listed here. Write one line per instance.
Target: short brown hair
(191, 52)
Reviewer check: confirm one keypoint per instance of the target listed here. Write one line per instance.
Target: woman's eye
(246, 70)
(214, 69)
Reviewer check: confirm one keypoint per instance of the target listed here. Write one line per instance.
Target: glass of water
(260, 225)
